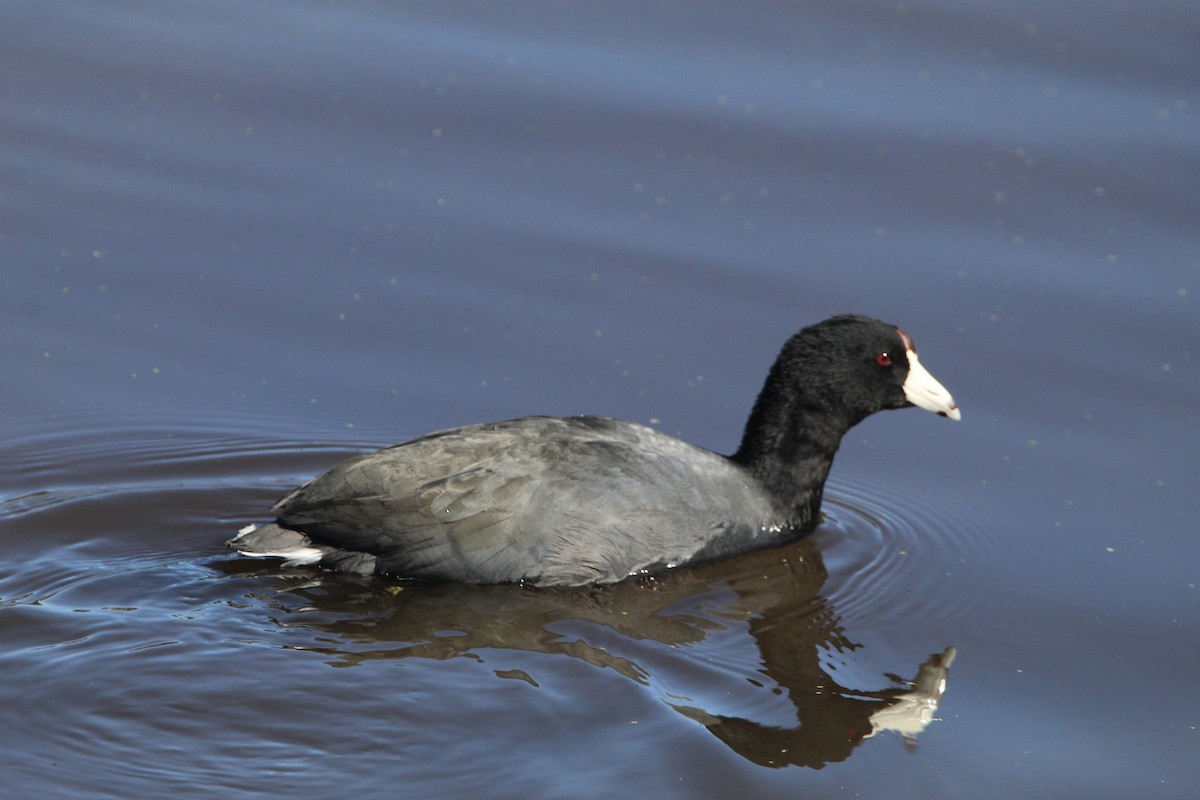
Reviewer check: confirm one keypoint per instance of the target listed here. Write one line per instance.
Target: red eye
(883, 360)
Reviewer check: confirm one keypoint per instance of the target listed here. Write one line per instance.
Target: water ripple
(892, 557)
(53, 470)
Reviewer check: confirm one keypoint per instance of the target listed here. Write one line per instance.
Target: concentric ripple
(892, 557)
(79, 462)
(82, 503)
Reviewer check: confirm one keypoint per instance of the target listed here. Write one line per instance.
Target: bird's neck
(788, 446)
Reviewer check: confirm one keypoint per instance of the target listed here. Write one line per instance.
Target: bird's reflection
(768, 604)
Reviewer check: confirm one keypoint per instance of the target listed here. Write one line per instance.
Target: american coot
(565, 501)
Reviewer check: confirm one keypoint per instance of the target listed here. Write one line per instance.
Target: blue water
(240, 241)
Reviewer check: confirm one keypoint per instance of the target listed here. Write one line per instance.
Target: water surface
(243, 241)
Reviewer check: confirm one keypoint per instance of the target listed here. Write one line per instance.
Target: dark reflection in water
(773, 598)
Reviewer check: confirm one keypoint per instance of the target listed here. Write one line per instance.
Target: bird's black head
(851, 366)
(828, 378)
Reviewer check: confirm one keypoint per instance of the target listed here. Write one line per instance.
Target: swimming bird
(570, 501)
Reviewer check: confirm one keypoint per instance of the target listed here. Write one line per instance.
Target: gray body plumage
(561, 501)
